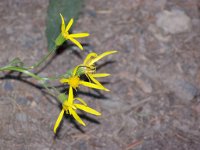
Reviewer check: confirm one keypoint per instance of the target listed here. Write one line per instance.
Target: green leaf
(68, 8)
(16, 62)
(62, 97)
(21, 69)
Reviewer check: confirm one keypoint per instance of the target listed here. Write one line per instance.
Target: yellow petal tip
(114, 51)
(99, 114)
(88, 34)
(54, 131)
(107, 90)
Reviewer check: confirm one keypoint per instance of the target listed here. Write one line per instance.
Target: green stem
(51, 52)
(21, 70)
(47, 88)
(11, 68)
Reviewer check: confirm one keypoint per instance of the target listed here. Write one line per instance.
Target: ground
(154, 103)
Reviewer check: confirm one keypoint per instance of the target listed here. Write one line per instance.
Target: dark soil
(154, 103)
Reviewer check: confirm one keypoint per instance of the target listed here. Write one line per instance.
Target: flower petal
(63, 24)
(94, 80)
(92, 85)
(100, 75)
(81, 100)
(87, 109)
(101, 56)
(58, 120)
(88, 57)
(71, 96)
(76, 117)
(63, 80)
(79, 35)
(69, 25)
(75, 70)
(76, 42)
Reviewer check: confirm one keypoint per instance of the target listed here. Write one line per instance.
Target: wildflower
(90, 68)
(70, 107)
(66, 36)
(74, 81)
(91, 58)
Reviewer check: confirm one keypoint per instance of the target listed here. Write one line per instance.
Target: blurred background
(154, 101)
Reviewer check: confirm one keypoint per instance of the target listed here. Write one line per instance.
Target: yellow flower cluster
(88, 69)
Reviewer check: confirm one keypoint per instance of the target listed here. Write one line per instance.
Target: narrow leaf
(68, 8)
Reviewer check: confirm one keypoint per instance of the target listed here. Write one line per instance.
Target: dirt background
(154, 103)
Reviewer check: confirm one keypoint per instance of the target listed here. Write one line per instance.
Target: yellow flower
(74, 81)
(65, 33)
(70, 108)
(91, 58)
(90, 68)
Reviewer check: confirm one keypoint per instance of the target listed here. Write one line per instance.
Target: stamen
(74, 81)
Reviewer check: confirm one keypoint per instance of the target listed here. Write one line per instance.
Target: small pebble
(175, 21)
(21, 117)
(22, 101)
(8, 86)
(182, 88)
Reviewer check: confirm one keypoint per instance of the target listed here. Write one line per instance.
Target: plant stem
(21, 70)
(51, 52)
(38, 78)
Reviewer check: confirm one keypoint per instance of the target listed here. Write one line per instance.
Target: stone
(181, 88)
(82, 145)
(21, 117)
(114, 105)
(33, 104)
(174, 21)
(22, 101)
(8, 86)
(158, 35)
